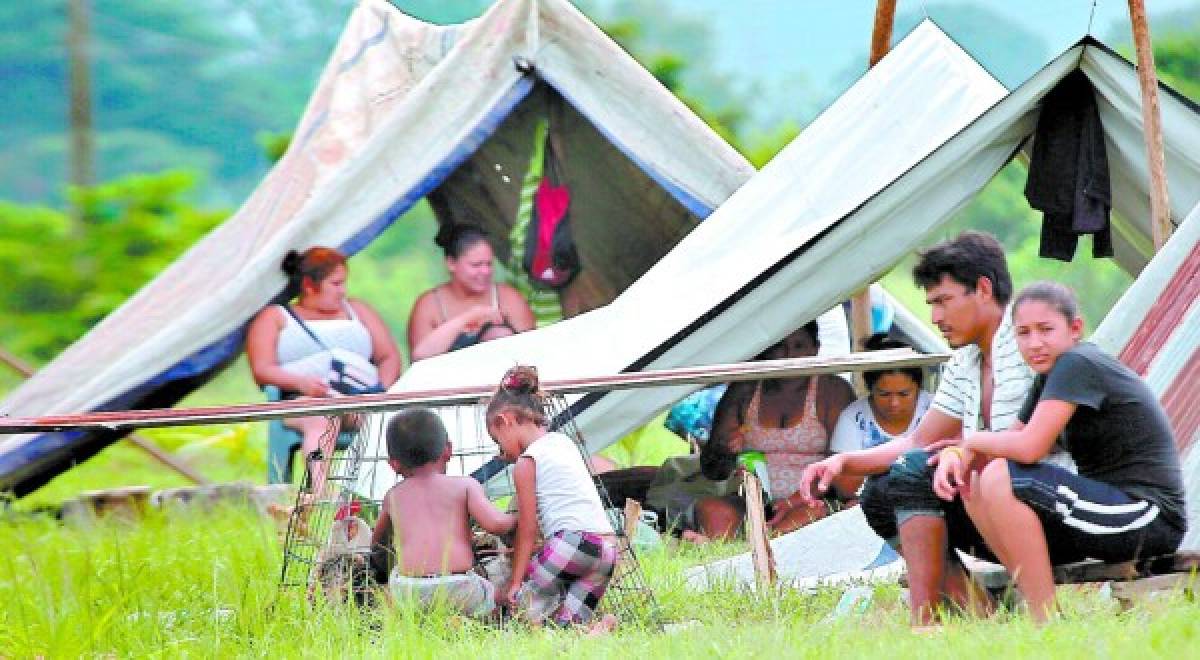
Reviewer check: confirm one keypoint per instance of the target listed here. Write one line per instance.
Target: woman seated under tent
(894, 404)
(664, 476)
(324, 344)
(471, 307)
(789, 422)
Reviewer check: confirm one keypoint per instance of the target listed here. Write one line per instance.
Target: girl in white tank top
(555, 495)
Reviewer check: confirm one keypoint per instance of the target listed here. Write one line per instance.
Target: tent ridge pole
(860, 304)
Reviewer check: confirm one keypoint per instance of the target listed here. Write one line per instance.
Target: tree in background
(195, 83)
(174, 83)
(1177, 58)
(63, 275)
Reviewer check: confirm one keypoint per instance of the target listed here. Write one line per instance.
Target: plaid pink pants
(568, 577)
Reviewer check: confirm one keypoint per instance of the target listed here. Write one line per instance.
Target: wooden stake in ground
(756, 532)
(1160, 208)
(633, 514)
(21, 367)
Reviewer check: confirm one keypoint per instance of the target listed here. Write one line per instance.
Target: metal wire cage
(326, 545)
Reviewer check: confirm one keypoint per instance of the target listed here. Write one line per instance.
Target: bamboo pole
(1160, 208)
(472, 394)
(26, 370)
(633, 514)
(860, 304)
(16, 364)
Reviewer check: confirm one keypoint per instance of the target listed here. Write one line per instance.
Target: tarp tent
(866, 183)
(676, 313)
(1155, 329)
(403, 110)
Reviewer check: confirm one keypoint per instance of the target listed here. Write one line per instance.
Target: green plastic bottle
(756, 462)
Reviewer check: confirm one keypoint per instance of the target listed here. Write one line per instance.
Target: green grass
(204, 585)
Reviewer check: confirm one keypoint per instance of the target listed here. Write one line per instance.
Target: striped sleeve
(951, 395)
(1012, 378)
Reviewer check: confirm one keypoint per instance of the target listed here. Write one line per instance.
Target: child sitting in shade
(428, 515)
(563, 583)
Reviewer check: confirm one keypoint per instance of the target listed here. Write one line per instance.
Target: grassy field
(204, 585)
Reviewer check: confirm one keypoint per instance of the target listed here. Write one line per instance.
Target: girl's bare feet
(694, 537)
(602, 626)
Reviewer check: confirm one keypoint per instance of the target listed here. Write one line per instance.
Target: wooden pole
(15, 363)
(80, 93)
(1160, 208)
(21, 367)
(756, 532)
(633, 514)
(156, 452)
(860, 304)
(881, 35)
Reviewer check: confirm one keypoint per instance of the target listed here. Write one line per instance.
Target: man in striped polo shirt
(983, 386)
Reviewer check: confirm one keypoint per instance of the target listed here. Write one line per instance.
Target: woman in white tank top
(283, 353)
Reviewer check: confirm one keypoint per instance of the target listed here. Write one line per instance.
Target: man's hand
(818, 477)
(935, 448)
(950, 477)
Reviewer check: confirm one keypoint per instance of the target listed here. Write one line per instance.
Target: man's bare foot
(602, 626)
(694, 537)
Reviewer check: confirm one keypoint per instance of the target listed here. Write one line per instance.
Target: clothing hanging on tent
(551, 259)
(1068, 172)
(545, 303)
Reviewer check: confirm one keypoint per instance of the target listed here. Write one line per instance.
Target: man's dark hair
(966, 258)
(415, 437)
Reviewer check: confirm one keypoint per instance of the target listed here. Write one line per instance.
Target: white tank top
(566, 496)
(347, 339)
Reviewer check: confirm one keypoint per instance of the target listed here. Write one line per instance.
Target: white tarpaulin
(885, 166)
(677, 313)
(830, 546)
(402, 110)
(1154, 328)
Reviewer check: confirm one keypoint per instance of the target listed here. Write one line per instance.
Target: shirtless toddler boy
(428, 515)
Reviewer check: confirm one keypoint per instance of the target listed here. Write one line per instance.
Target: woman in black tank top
(471, 307)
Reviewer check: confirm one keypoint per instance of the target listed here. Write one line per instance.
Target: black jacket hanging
(1068, 171)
